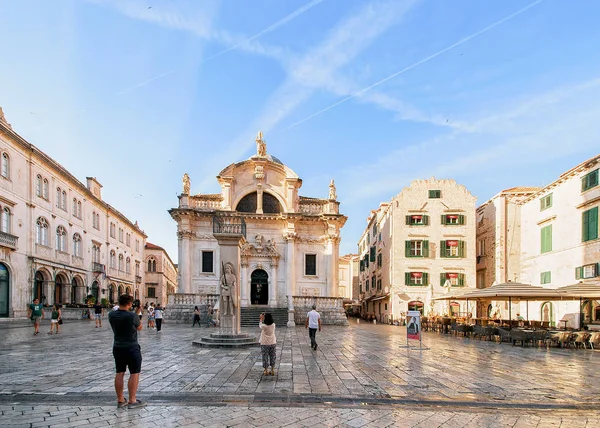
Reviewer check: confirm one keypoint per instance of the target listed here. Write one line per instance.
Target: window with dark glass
(207, 261)
(310, 264)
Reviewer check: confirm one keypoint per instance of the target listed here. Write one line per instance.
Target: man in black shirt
(126, 350)
(98, 313)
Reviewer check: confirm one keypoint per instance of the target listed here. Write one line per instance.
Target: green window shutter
(425, 220)
(407, 249)
(593, 223)
(461, 219)
(362, 266)
(461, 279)
(425, 278)
(579, 272)
(585, 222)
(442, 279)
(443, 219)
(372, 254)
(443, 249)
(426, 249)
(461, 248)
(546, 236)
(408, 220)
(597, 269)
(407, 278)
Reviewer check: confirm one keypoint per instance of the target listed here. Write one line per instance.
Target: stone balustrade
(330, 308)
(312, 207)
(207, 204)
(180, 306)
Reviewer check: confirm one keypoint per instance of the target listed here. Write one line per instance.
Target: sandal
(266, 372)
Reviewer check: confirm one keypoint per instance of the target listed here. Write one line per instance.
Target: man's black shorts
(128, 357)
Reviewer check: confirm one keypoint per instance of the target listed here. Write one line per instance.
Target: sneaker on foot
(315, 346)
(121, 404)
(137, 405)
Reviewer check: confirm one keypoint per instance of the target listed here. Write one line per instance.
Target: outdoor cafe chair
(478, 331)
(579, 339)
(504, 335)
(594, 339)
(517, 336)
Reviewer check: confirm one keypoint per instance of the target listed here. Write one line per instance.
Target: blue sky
(374, 94)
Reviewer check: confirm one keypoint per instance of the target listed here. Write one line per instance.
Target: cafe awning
(581, 290)
(509, 291)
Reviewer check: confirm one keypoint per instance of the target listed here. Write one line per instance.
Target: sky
(372, 93)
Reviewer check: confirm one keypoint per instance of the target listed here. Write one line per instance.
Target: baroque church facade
(290, 243)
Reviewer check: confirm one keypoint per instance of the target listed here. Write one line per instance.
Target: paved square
(361, 375)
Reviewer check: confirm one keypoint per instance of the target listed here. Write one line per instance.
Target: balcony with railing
(229, 225)
(97, 267)
(8, 240)
(206, 202)
(138, 279)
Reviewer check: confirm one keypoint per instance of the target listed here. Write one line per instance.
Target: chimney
(94, 187)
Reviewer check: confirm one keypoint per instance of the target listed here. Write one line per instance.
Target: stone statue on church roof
(332, 194)
(186, 184)
(261, 146)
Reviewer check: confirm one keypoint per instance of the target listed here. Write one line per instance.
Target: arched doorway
(4, 290)
(128, 291)
(415, 306)
(547, 314)
(454, 309)
(74, 290)
(59, 286)
(259, 287)
(121, 291)
(111, 293)
(38, 287)
(137, 294)
(96, 291)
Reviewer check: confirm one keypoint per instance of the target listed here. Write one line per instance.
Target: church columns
(185, 274)
(332, 266)
(259, 200)
(291, 266)
(273, 285)
(244, 285)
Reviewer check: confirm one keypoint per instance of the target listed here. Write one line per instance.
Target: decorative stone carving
(332, 194)
(186, 184)
(259, 172)
(261, 146)
(186, 234)
(311, 291)
(227, 290)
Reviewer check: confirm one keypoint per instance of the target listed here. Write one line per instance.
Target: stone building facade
(59, 240)
(559, 241)
(418, 246)
(160, 278)
(290, 246)
(348, 277)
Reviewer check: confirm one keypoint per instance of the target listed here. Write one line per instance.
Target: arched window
(5, 165)
(77, 245)
(61, 238)
(128, 265)
(46, 189)
(79, 209)
(121, 262)
(38, 186)
(98, 221)
(58, 197)
(64, 200)
(96, 253)
(74, 207)
(113, 259)
(42, 231)
(152, 265)
(6, 220)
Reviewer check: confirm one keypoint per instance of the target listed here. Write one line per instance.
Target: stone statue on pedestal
(186, 184)
(261, 146)
(228, 284)
(332, 194)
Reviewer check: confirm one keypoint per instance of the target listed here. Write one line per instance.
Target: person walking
(151, 316)
(35, 313)
(126, 351)
(196, 316)
(138, 312)
(313, 322)
(268, 342)
(55, 318)
(158, 317)
(98, 313)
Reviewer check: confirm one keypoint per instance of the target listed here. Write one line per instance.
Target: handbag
(60, 321)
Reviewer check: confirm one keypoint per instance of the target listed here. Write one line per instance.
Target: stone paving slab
(19, 415)
(364, 361)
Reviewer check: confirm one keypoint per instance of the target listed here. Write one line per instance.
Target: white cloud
(536, 129)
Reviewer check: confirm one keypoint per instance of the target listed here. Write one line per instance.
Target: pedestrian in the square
(313, 322)
(127, 352)
(36, 314)
(98, 313)
(138, 311)
(55, 318)
(268, 343)
(196, 316)
(158, 317)
(151, 316)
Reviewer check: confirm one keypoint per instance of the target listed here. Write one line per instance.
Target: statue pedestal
(228, 324)
(291, 316)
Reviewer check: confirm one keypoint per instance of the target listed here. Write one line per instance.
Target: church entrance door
(259, 287)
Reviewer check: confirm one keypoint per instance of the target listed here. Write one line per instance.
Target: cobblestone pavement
(361, 375)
